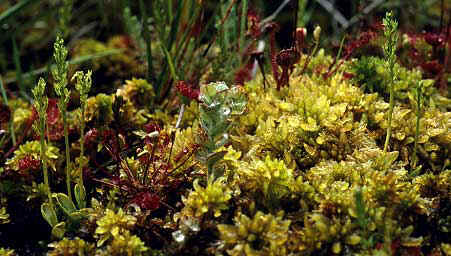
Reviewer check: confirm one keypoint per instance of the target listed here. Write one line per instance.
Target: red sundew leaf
(415, 56)
(254, 21)
(144, 159)
(55, 131)
(432, 67)
(377, 26)
(165, 140)
(435, 39)
(34, 114)
(147, 201)
(165, 167)
(413, 38)
(395, 245)
(244, 74)
(127, 42)
(181, 154)
(364, 38)
(53, 112)
(29, 163)
(413, 251)
(109, 139)
(286, 59)
(379, 246)
(347, 75)
(187, 90)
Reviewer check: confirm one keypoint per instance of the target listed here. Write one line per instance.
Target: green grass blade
(243, 25)
(146, 37)
(75, 61)
(18, 66)
(170, 62)
(11, 12)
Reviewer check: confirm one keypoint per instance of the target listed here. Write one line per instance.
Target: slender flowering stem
(60, 76)
(391, 35)
(41, 103)
(83, 86)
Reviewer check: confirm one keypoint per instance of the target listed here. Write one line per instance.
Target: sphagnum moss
(314, 149)
(263, 234)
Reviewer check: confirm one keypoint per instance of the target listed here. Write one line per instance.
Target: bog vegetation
(229, 127)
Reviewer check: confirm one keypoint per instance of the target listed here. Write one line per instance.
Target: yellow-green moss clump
(300, 172)
(213, 198)
(314, 150)
(263, 234)
(113, 238)
(75, 246)
(28, 155)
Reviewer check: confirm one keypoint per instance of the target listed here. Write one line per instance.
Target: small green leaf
(80, 196)
(102, 240)
(49, 214)
(216, 156)
(77, 216)
(59, 229)
(65, 203)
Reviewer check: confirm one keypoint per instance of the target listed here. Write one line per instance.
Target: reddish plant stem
(274, 66)
(309, 57)
(336, 56)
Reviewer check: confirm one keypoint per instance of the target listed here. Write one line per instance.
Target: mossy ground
(242, 170)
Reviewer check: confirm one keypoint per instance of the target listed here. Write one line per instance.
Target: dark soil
(26, 229)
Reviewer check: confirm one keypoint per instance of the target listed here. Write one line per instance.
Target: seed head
(317, 33)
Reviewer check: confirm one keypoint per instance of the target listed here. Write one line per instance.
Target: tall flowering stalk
(83, 86)
(60, 76)
(41, 104)
(391, 36)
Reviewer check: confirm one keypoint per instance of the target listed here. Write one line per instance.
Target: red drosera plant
(430, 51)
(272, 28)
(29, 163)
(244, 73)
(363, 39)
(252, 55)
(154, 175)
(54, 123)
(187, 90)
(254, 23)
(51, 121)
(285, 58)
(435, 39)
